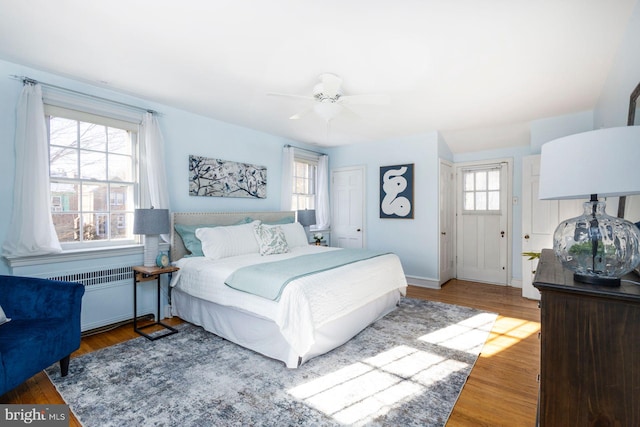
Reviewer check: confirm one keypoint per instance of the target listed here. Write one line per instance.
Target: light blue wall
(415, 241)
(545, 130)
(187, 133)
(8, 101)
(184, 133)
(443, 149)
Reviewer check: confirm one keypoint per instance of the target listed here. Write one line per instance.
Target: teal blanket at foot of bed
(269, 279)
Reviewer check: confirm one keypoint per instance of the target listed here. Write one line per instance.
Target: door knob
(502, 234)
(444, 233)
(358, 230)
(526, 237)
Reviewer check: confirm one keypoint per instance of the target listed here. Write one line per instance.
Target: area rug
(406, 369)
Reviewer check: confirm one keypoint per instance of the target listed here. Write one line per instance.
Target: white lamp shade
(605, 162)
(598, 248)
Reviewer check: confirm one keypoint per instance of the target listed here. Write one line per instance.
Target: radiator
(108, 297)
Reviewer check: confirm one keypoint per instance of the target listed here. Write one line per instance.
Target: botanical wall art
(223, 178)
(396, 191)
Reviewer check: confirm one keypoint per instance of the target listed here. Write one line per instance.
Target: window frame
(113, 121)
(485, 190)
(310, 161)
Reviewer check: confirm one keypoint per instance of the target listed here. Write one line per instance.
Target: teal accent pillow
(188, 235)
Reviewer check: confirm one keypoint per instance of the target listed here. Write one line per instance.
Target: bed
(312, 314)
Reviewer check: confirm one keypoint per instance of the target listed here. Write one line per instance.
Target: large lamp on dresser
(598, 248)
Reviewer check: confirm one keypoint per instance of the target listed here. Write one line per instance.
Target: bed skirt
(263, 336)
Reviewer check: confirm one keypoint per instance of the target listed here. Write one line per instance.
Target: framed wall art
(223, 178)
(396, 191)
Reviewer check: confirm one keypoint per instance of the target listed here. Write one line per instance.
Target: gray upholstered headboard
(215, 218)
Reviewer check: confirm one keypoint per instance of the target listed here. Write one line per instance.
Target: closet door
(447, 221)
(347, 207)
(539, 220)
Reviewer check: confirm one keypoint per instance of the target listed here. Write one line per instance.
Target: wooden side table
(146, 274)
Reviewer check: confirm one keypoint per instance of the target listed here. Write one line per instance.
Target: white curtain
(286, 191)
(323, 212)
(31, 231)
(153, 165)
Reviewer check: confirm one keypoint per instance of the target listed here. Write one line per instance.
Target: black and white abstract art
(223, 178)
(396, 191)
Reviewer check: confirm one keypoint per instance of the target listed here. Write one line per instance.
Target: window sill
(80, 255)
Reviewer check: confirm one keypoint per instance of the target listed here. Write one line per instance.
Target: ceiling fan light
(327, 110)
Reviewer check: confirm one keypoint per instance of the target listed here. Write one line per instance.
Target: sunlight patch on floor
(507, 332)
(467, 335)
(365, 390)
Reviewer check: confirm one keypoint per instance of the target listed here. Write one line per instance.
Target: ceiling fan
(328, 99)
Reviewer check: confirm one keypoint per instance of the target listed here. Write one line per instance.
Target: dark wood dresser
(590, 350)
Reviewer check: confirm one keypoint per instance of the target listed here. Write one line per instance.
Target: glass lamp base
(598, 248)
(595, 280)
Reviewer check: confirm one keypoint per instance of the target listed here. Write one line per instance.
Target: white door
(347, 207)
(539, 220)
(447, 215)
(482, 222)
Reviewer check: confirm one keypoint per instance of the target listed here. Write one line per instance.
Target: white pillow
(294, 234)
(271, 240)
(3, 317)
(228, 241)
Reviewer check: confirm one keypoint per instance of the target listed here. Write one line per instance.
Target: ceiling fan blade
(369, 99)
(288, 95)
(330, 84)
(349, 113)
(301, 114)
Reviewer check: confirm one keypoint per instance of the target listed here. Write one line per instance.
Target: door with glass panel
(482, 223)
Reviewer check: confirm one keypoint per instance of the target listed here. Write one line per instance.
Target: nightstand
(146, 274)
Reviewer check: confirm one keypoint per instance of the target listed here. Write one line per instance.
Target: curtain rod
(304, 149)
(28, 80)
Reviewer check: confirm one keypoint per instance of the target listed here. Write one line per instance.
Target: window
(304, 184)
(481, 190)
(93, 177)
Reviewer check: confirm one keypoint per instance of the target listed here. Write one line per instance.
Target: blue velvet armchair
(44, 327)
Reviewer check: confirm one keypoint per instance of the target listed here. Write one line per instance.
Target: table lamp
(598, 248)
(307, 217)
(151, 222)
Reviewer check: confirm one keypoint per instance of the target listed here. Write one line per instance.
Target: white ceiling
(476, 70)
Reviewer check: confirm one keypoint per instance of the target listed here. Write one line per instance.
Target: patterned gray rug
(406, 369)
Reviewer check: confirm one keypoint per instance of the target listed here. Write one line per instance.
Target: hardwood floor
(502, 389)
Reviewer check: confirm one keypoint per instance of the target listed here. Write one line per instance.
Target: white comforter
(306, 303)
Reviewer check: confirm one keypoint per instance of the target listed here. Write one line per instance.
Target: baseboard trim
(516, 283)
(423, 282)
